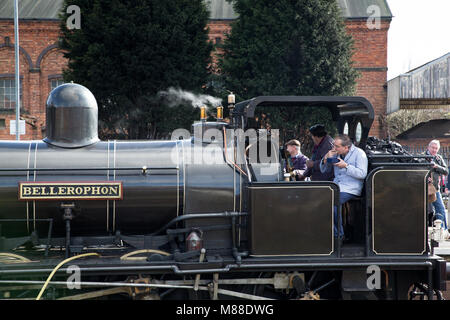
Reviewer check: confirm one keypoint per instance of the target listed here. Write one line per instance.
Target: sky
(419, 32)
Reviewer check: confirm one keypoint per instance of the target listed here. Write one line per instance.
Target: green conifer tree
(288, 47)
(126, 51)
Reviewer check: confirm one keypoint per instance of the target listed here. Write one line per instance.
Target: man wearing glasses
(439, 168)
(349, 164)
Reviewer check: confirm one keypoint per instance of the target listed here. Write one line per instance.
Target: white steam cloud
(174, 97)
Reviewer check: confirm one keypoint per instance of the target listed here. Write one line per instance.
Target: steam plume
(174, 97)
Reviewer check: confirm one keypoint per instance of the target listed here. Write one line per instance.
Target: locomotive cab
(368, 225)
(354, 117)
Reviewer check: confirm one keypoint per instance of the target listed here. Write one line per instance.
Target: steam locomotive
(203, 216)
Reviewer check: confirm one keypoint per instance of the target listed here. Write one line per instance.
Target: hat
(318, 130)
(293, 142)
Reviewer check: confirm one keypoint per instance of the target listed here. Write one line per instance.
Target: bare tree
(403, 120)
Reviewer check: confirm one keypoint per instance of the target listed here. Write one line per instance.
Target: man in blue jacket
(350, 169)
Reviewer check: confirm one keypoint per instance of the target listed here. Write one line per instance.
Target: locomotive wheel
(267, 291)
(323, 285)
(419, 291)
(319, 285)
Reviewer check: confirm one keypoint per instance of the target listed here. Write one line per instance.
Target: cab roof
(350, 110)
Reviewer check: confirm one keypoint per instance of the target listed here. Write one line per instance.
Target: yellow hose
(58, 266)
(128, 255)
(13, 255)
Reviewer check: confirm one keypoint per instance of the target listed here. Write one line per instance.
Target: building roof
(351, 9)
(220, 9)
(429, 64)
(432, 129)
(356, 9)
(424, 87)
(31, 9)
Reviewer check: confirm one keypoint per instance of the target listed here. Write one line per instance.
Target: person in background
(298, 160)
(350, 169)
(447, 184)
(439, 169)
(322, 144)
(447, 187)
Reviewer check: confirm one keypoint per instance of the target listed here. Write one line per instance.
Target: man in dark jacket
(439, 169)
(297, 159)
(322, 144)
(447, 185)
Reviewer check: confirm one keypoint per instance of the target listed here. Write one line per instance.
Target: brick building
(41, 63)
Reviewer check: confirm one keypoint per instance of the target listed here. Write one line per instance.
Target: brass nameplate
(99, 190)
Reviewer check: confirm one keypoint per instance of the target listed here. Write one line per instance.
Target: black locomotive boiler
(194, 217)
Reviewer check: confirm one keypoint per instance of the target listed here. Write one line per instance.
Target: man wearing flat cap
(322, 144)
(297, 158)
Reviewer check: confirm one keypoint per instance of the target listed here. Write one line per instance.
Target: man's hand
(309, 163)
(330, 154)
(341, 164)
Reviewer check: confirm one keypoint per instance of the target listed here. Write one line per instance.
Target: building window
(8, 93)
(56, 82)
(2, 124)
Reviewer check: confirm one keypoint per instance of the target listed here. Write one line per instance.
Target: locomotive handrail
(396, 156)
(397, 164)
(228, 267)
(200, 215)
(447, 270)
(88, 169)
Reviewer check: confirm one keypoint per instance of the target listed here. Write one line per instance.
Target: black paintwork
(399, 210)
(150, 199)
(292, 218)
(343, 109)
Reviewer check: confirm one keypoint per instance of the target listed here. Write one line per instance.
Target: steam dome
(71, 117)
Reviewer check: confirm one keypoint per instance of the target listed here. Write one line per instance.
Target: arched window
(345, 131)
(358, 132)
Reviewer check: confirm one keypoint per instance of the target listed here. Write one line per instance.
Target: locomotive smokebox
(71, 117)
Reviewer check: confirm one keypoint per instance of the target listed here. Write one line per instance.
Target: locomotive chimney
(71, 117)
